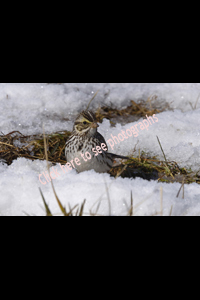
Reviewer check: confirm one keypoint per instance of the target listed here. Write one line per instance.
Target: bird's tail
(117, 156)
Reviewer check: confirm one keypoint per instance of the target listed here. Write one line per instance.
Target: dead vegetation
(32, 146)
(138, 110)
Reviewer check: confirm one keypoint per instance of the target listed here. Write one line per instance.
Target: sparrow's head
(85, 123)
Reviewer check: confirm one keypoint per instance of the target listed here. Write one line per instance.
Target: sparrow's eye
(84, 122)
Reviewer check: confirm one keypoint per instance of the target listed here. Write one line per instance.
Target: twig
(182, 185)
(161, 149)
(7, 145)
(122, 170)
(170, 212)
(183, 189)
(131, 208)
(92, 99)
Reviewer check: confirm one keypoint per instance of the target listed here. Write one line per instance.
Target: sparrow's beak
(94, 125)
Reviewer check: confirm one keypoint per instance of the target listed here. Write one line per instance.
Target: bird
(85, 138)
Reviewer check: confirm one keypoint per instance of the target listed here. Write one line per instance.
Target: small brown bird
(83, 140)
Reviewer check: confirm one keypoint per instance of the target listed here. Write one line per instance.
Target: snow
(25, 107)
(178, 132)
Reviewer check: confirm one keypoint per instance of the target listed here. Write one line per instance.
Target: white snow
(25, 107)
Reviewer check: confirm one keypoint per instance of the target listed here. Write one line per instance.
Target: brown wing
(101, 139)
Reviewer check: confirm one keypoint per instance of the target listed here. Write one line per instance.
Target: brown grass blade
(48, 212)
